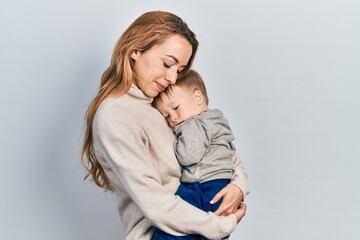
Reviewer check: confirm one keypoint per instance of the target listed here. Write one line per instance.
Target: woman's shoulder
(114, 111)
(125, 110)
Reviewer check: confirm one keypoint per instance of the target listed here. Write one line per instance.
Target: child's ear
(135, 54)
(198, 97)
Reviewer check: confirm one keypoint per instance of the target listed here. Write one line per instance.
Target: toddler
(203, 143)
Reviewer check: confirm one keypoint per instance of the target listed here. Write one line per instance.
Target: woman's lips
(160, 86)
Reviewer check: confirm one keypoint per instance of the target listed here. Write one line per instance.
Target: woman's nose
(171, 75)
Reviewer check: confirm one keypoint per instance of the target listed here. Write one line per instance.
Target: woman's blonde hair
(148, 30)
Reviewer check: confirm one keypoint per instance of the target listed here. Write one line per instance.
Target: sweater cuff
(242, 186)
(231, 225)
(234, 220)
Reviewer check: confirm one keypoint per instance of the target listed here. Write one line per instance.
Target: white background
(286, 74)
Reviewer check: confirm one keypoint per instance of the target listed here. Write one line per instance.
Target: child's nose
(174, 118)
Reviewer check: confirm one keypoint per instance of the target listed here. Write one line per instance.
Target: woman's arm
(124, 148)
(234, 193)
(240, 178)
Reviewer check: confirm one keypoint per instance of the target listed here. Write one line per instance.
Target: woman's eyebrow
(176, 60)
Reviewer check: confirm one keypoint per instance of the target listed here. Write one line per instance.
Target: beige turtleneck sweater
(134, 145)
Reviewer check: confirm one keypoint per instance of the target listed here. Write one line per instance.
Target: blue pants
(198, 195)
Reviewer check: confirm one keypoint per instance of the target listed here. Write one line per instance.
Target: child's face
(179, 105)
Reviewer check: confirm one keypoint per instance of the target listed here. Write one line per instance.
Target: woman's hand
(240, 213)
(231, 197)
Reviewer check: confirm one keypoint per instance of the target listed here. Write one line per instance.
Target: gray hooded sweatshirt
(204, 147)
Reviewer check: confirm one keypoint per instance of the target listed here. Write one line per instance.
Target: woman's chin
(151, 93)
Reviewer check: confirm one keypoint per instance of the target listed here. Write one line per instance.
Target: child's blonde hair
(191, 81)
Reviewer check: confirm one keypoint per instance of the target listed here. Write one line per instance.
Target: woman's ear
(135, 54)
(198, 97)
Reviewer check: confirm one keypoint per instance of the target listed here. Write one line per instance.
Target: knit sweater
(204, 147)
(134, 145)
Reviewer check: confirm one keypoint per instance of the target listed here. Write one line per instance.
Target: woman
(128, 144)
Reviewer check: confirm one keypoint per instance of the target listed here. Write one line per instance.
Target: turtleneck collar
(136, 92)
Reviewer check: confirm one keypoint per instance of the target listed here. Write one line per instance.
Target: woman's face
(159, 67)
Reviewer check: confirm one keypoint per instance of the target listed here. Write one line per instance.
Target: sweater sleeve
(240, 178)
(191, 142)
(123, 145)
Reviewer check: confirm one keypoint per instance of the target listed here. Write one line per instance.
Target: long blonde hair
(148, 30)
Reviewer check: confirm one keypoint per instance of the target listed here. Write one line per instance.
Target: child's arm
(192, 140)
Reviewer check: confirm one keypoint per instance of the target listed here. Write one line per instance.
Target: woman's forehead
(177, 48)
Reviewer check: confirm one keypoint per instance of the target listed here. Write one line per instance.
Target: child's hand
(231, 196)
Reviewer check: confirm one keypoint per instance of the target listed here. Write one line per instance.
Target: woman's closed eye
(166, 65)
(169, 66)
